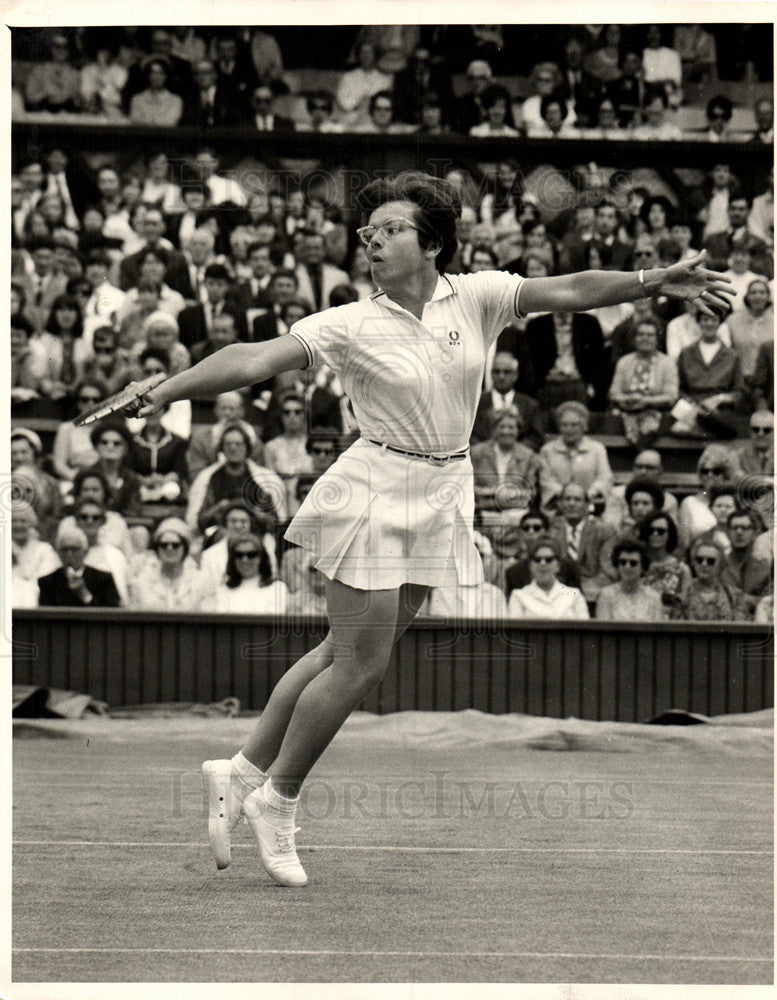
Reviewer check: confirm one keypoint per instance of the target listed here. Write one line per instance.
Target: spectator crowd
(121, 273)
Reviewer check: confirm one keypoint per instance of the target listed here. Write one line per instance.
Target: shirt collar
(442, 290)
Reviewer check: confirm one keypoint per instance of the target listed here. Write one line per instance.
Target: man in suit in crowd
(568, 359)
(282, 288)
(504, 377)
(177, 268)
(720, 245)
(211, 104)
(74, 584)
(582, 538)
(195, 323)
(261, 114)
(317, 278)
(253, 292)
(605, 235)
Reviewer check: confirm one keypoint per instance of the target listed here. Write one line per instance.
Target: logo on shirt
(454, 338)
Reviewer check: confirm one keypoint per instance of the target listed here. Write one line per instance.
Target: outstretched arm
(233, 367)
(689, 279)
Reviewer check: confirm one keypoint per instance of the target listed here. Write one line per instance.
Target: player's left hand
(690, 280)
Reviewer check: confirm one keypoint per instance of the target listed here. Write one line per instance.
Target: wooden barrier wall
(590, 670)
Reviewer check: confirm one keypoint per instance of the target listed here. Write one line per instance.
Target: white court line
(394, 848)
(389, 954)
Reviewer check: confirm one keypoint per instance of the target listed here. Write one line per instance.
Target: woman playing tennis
(393, 516)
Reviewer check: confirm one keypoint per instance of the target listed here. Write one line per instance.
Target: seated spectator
(555, 117)
(90, 484)
(158, 189)
(719, 112)
(249, 587)
(167, 579)
(545, 597)
(107, 362)
(545, 80)
(657, 128)
(222, 189)
(495, 102)
(237, 521)
(156, 105)
(568, 359)
(32, 557)
(146, 302)
(151, 228)
(111, 440)
(65, 350)
(102, 81)
(380, 120)
(644, 386)
(74, 584)
(667, 574)
(647, 465)
(432, 121)
(223, 332)
(684, 331)
(54, 85)
(152, 267)
(195, 323)
(517, 572)
(573, 457)
(203, 448)
(316, 277)
(740, 568)
(106, 302)
(485, 601)
(643, 496)
(504, 379)
(320, 106)
(90, 516)
(159, 335)
(394, 44)
(582, 538)
(720, 243)
(764, 120)
(739, 274)
(628, 92)
(72, 448)
(752, 326)
(324, 449)
(28, 363)
(235, 477)
(708, 597)
(287, 454)
(757, 456)
(710, 377)
(358, 86)
(42, 285)
(716, 466)
(506, 472)
(308, 597)
(414, 85)
(764, 611)
(507, 546)
(467, 109)
(622, 336)
(159, 457)
(261, 114)
(723, 502)
(662, 66)
(630, 599)
(30, 484)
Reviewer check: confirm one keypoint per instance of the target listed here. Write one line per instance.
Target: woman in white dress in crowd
(249, 587)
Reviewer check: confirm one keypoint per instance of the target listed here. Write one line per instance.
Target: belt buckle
(438, 460)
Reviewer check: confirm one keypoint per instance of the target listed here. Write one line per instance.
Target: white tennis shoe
(274, 832)
(226, 791)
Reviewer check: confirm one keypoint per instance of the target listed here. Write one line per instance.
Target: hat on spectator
(174, 526)
(30, 436)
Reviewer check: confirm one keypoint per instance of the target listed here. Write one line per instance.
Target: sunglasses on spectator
(91, 518)
(628, 562)
(532, 527)
(292, 412)
(716, 471)
(760, 430)
(643, 253)
(706, 560)
(89, 399)
(659, 531)
(169, 545)
(247, 554)
(111, 442)
(543, 559)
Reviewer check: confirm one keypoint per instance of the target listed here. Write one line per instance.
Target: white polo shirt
(415, 384)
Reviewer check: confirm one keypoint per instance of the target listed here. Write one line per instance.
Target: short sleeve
(497, 294)
(325, 336)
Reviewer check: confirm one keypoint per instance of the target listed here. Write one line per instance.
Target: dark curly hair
(630, 545)
(643, 484)
(650, 520)
(437, 208)
(233, 577)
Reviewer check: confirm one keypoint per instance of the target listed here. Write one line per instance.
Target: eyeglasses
(761, 430)
(543, 559)
(706, 560)
(389, 229)
(628, 562)
(111, 442)
(532, 527)
(90, 518)
(316, 450)
(89, 399)
(169, 545)
(247, 554)
(741, 527)
(643, 253)
(659, 531)
(716, 471)
(293, 412)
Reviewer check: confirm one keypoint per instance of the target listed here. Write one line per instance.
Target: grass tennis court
(440, 848)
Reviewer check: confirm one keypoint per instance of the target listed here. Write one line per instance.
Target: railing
(592, 670)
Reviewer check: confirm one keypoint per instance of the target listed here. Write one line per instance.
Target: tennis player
(393, 516)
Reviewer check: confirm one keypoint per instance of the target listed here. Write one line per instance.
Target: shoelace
(285, 840)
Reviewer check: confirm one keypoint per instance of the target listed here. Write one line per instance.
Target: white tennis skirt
(376, 520)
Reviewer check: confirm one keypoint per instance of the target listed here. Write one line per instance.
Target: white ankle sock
(275, 800)
(250, 773)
